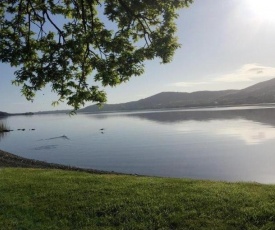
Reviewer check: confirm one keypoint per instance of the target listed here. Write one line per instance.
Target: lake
(230, 144)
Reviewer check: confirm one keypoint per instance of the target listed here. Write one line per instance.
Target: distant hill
(263, 92)
(53, 112)
(164, 100)
(3, 114)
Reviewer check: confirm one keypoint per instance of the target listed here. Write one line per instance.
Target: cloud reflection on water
(250, 133)
(255, 125)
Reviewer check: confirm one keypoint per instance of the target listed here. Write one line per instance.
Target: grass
(56, 199)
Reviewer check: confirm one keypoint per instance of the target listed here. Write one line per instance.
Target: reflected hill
(261, 115)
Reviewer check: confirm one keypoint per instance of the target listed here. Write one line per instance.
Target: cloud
(245, 76)
(248, 73)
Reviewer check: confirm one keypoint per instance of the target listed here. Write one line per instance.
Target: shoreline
(8, 160)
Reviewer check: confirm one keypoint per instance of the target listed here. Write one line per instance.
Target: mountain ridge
(263, 92)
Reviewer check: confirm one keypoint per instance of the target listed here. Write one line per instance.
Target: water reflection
(224, 122)
(233, 145)
(250, 133)
(221, 122)
(217, 121)
(264, 116)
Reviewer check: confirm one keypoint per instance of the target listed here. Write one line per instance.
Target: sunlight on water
(250, 133)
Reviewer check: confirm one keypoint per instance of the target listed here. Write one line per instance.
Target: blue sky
(226, 44)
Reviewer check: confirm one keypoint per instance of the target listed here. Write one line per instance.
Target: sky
(225, 44)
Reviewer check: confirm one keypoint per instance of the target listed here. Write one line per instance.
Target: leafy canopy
(63, 42)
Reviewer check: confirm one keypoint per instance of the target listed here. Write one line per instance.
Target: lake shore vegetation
(3, 127)
(33, 198)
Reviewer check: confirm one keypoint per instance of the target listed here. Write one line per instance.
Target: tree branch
(137, 17)
(60, 32)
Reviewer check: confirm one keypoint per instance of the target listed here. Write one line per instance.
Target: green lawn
(56, 199)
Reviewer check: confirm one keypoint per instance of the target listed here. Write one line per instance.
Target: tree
(64, 42)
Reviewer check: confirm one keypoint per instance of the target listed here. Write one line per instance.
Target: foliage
(62, 42)
(52, 199)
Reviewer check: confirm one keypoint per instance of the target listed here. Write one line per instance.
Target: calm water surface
(233, 144)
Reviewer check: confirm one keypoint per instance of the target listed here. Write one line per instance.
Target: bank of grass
(58, 199)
